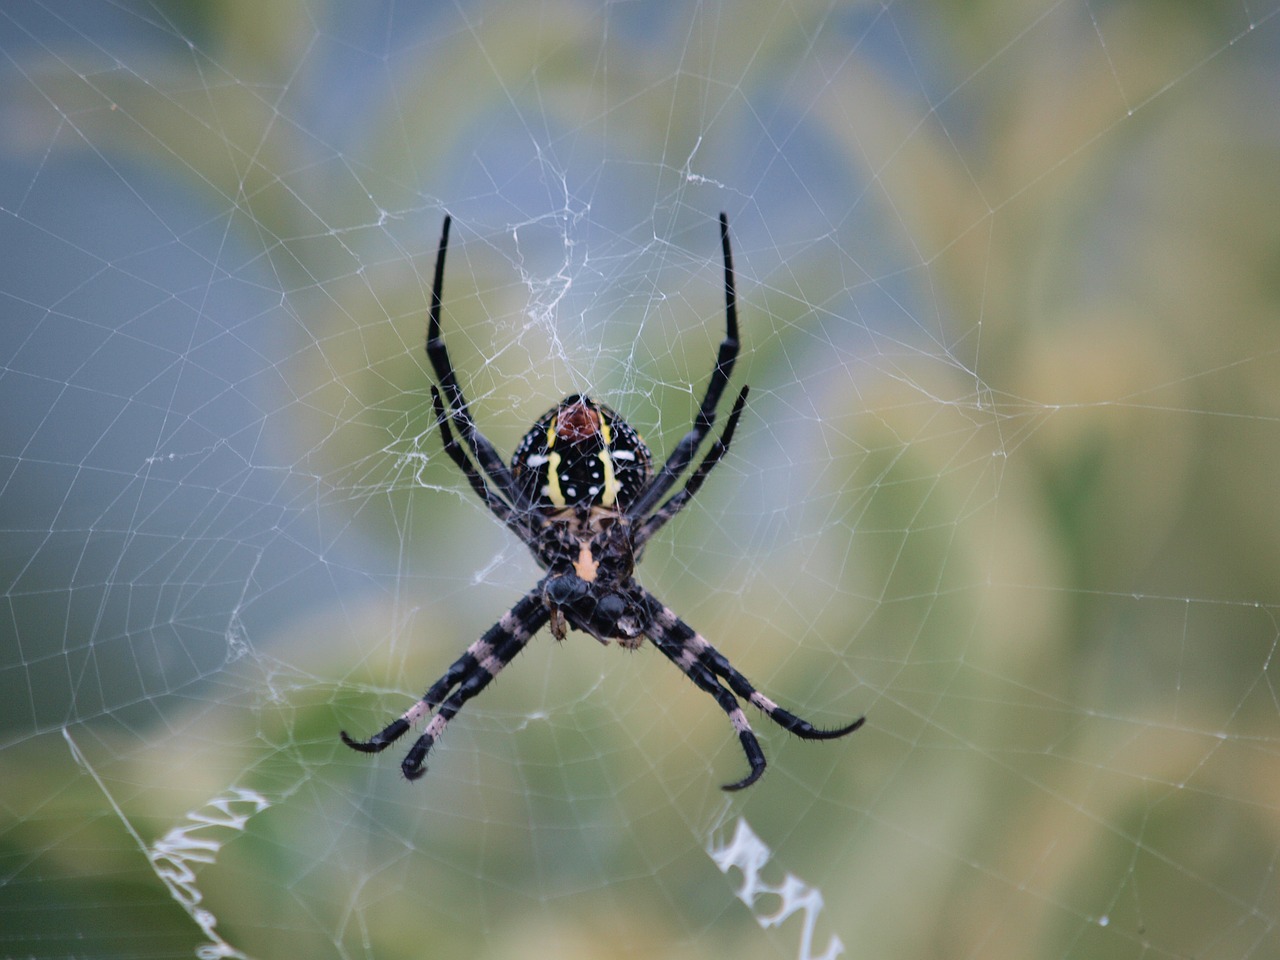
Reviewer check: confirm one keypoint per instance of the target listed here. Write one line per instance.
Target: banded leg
(470, 674)
(692, 647)
(486, 455)
(683, 453)
(654, 523)
(679, 652)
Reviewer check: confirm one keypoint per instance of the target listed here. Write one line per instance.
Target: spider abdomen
(580, 454)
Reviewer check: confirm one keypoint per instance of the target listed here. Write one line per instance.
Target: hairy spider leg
(653, 523)
(703, 663)
(470, 674)
(486, 455)
(683, 453)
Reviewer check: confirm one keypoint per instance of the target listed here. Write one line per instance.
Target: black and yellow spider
(582, 494)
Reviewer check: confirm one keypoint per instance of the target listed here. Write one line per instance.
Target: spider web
(1007, 276)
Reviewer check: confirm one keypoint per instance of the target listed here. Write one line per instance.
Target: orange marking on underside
(585, 566)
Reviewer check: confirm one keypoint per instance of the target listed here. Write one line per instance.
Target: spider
(582, 494)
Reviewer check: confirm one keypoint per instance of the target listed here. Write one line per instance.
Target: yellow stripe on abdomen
(609, 494)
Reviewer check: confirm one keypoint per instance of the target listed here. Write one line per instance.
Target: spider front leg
(517, 522)
(469, 674)
(685, 450)
(488, 458)
(705, 666)
(655, 521)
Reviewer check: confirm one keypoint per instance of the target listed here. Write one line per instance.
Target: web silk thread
(749, 854)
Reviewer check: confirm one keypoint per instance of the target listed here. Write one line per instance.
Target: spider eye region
(581, 454)
(577, 421)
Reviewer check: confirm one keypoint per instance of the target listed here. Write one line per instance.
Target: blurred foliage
(1003, 483)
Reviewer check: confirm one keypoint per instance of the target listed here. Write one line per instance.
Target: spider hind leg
(379, 741)
(707, 667)
(783, 718)
(750, 746)
(468, 675)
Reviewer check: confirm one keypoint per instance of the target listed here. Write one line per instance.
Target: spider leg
(516, 521)
(683, 453)
(681, 648)
(486, 455)
(687, 660)
(469, 674)
(690, 651)
(658, 519)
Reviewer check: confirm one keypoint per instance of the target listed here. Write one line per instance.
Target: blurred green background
(1010, 287)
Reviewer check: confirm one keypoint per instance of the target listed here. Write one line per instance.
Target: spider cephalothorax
(582, 495)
